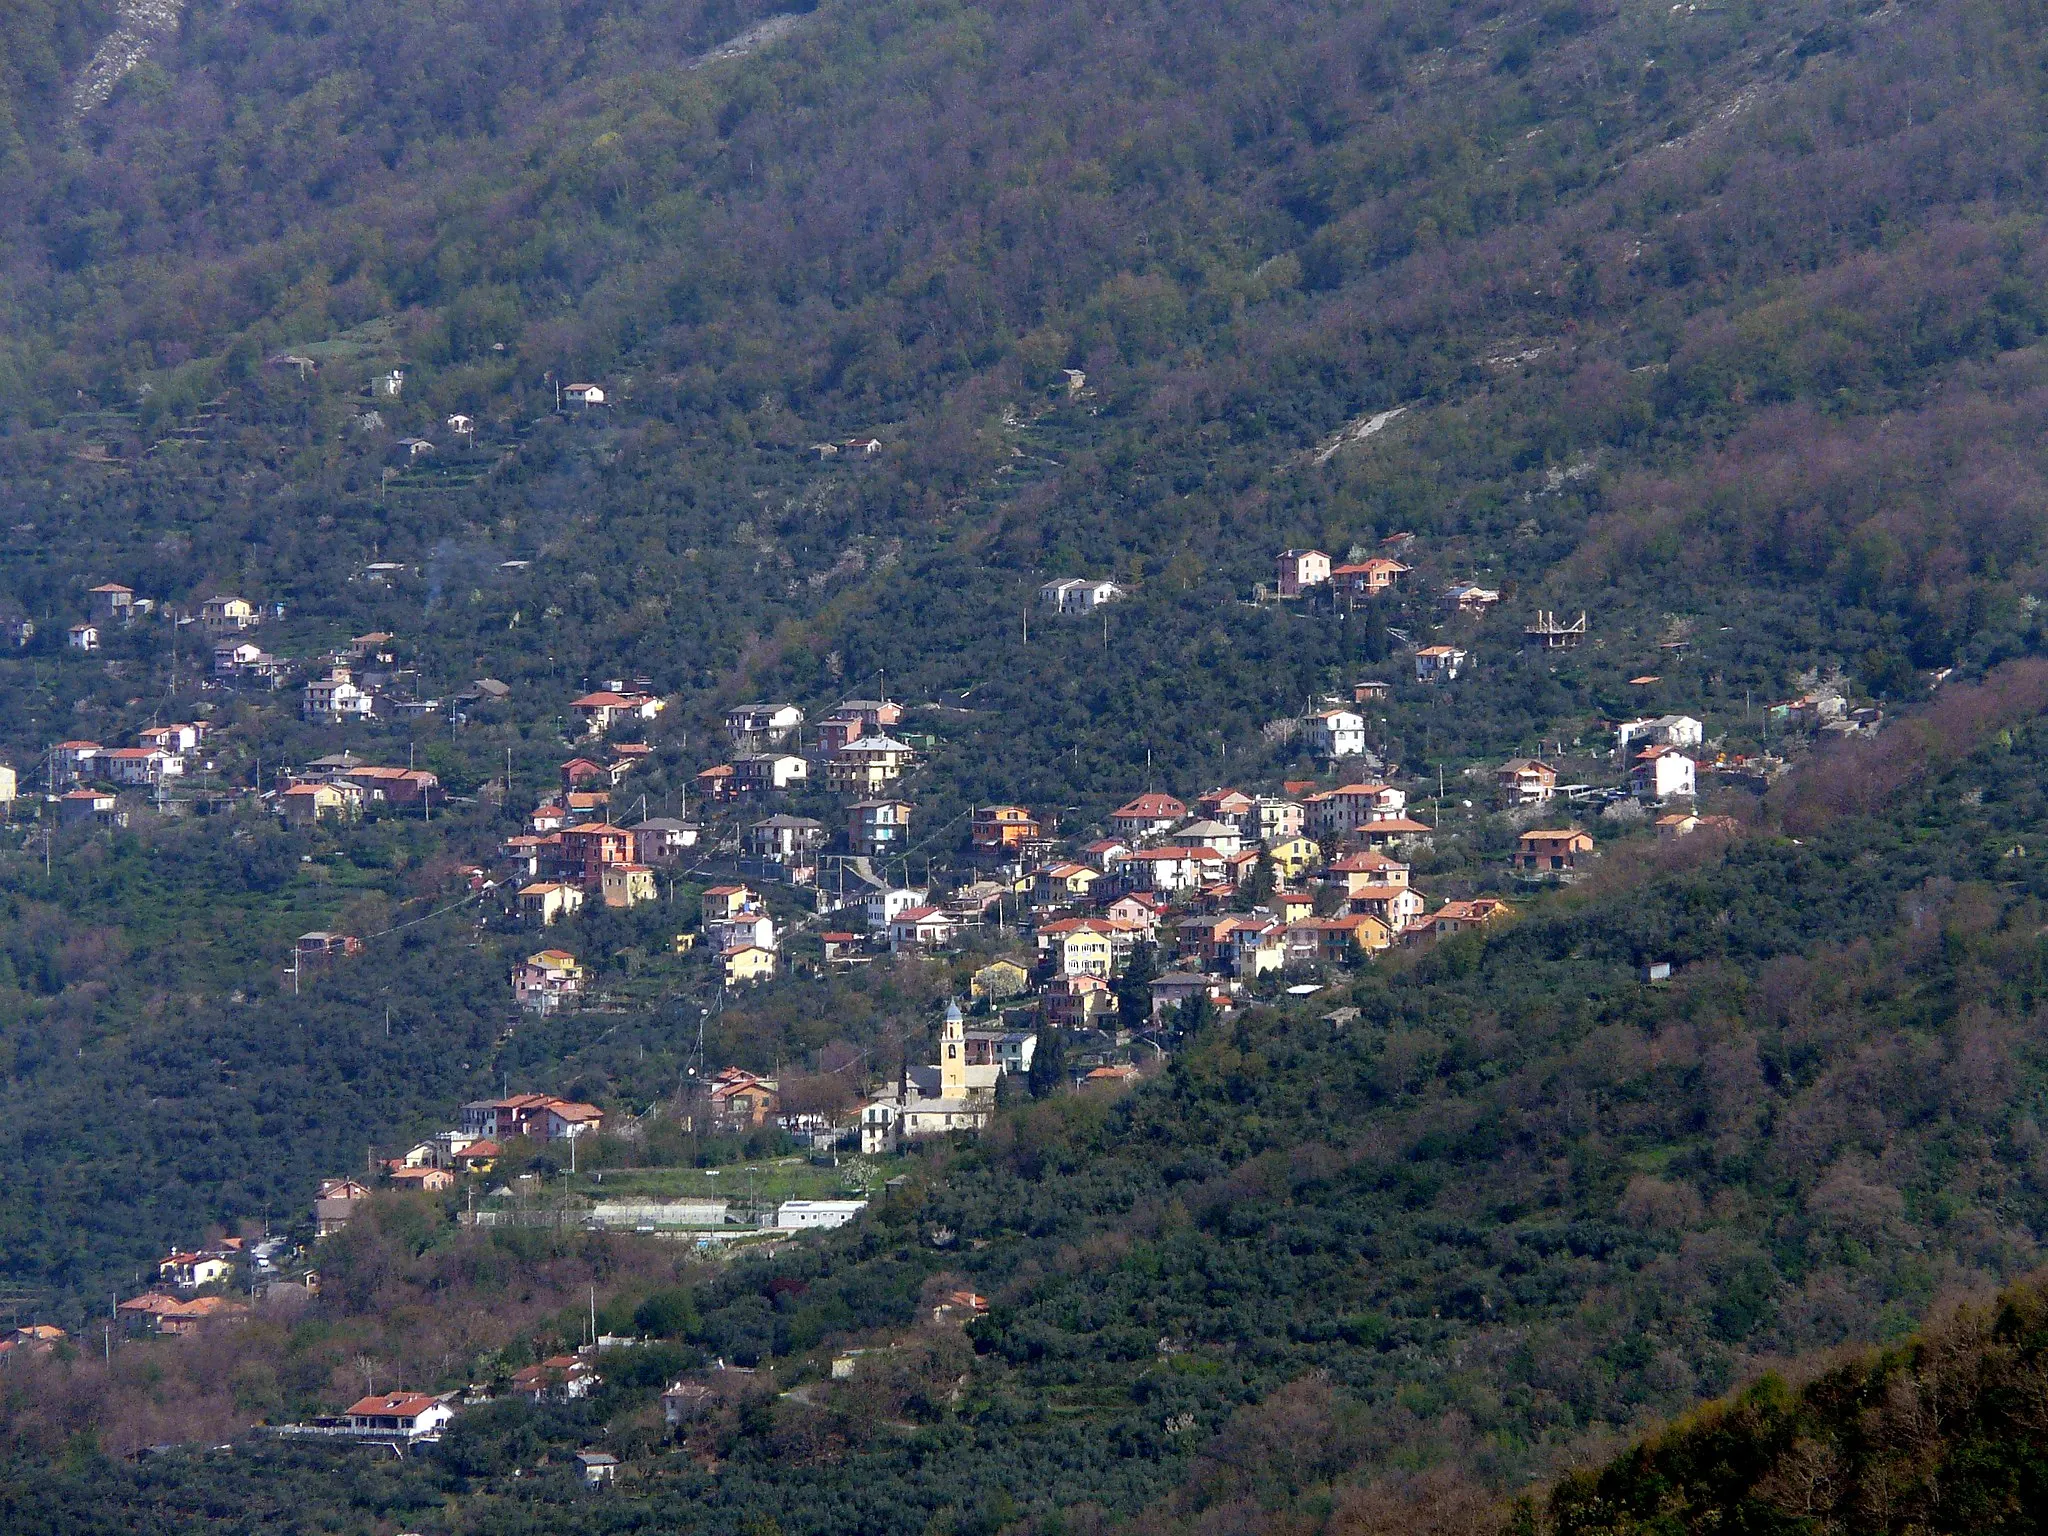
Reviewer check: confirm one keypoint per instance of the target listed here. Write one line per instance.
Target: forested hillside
(1939, 1433)
(1520, 1201)
(1721, 324)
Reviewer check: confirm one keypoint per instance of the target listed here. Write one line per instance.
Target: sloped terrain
(1721, 324)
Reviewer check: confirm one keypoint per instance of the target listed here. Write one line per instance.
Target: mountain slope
(1943, 1432)
(1721, 324)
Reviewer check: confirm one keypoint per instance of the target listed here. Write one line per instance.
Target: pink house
(1301, 569)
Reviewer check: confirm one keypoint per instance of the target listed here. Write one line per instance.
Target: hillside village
(1086, 949)
(1021, 774)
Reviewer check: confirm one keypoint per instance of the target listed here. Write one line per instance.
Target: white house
(1661, 772)
(230, 657)
(751, 727)
(400, 1415)
(1663, 731)
(920, 928)
(335, 697)
(1076, 595)
(83, 637)
(743, 928)
(1333, 812)
(1438, 663)
(1167, 870)
(761, 771)
(1339, 733)
(1222, 836)
(793, 1215)
(1256, 948)
(583, 394)
(884, 907)
(141, 765)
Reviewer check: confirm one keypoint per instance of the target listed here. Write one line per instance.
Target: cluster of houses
(114, 605)
(1301, 573)
(341, 786)
(363, 680)
(851, 751)
(473, 1147)
(1328, 864)
(572, 849)
(96, 774)
(403, 1419)
(30, 1341)
(486, 1126)
(197, 1288)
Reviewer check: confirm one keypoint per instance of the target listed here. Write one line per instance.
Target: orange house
(1002, 828)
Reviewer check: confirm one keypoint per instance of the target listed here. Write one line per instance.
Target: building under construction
(1552, 635)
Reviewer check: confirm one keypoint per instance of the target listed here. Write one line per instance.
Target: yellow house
(1063, 881)
(224, 615)
(548, 900)
(1085, 952)
(1294, 857)
(305, 804)
(748, 963)
(724, 901)
(1351, 937)
(627, 885)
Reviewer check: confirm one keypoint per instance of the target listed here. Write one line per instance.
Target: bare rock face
(140, 26)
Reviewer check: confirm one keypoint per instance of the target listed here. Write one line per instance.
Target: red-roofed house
(601, 710)
(1355, 871)
(1176, 869)
(1394, 905)
(920, 928)
(588, 848)
(1147, 816)
(1395, 832)
(1458, 916)
(410, 1415)
(1368, 578)
(1335, 812)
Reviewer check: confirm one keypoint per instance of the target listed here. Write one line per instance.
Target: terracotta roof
(1067, 925)
(151, 1304)
(403, 1404)
(1363, 861)
(1152, 805)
